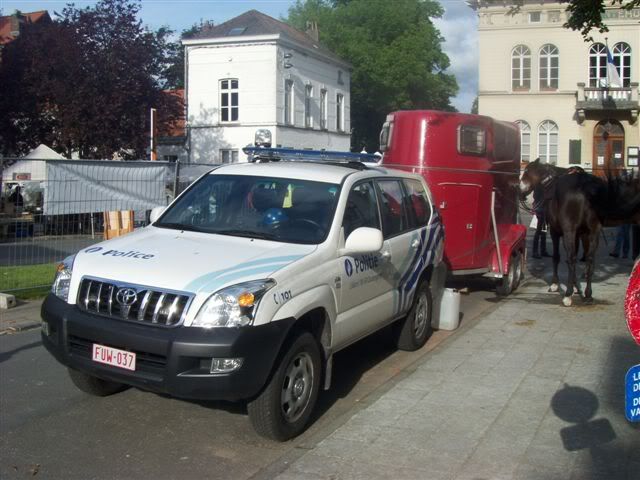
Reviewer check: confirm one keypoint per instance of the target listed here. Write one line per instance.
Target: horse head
(531, 177)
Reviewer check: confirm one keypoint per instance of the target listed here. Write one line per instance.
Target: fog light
(225, 365)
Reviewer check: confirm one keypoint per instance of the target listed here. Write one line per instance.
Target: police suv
(248, 283)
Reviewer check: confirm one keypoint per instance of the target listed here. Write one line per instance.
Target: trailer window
(472, 140)
(385, 136)
(418, 203)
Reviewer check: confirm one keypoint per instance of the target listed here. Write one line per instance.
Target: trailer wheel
(415, 328)
(283, 408)
(508, 282)
(93, 385)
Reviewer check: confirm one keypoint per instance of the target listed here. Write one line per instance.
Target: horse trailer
(472, 165)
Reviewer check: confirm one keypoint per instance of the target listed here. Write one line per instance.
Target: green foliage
(586, 15)
(396, 55)
(84, 83)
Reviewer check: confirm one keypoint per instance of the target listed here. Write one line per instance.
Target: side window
(471, 140)
(418, 203)
(394, 219)
(362, 209)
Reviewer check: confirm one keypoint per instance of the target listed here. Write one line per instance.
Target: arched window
(549, 67)
(548, 142)
(598, 65)
(521, 68)
(622, 60)
(525, 140)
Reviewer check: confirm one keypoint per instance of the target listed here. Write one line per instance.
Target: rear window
(418, 203)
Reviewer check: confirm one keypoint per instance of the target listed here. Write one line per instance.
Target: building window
(548, 142)
(308, 100)
(549, 67)
(288, 102)
(228, 156)
(534, 17)
(525, 141)
(554, 16)
(598, 65)
(340, 112)
(323, 109)
(521, 68)
(622, 60)
(229, 106)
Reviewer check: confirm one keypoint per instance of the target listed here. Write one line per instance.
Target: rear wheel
(519, 274)
(93, 385)
(416, 326)
(283, 408)
(509, 282)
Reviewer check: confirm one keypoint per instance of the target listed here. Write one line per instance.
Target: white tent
(32, 168)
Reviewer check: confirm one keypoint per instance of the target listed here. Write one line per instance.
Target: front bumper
(168, 360)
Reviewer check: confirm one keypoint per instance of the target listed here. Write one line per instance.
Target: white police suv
(248, 283)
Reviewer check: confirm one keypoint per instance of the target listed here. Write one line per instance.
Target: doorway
(608, 147)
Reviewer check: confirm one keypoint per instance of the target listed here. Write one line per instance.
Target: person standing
(622, 242)
(540, 237)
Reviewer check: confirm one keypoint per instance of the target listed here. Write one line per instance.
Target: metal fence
(50, 209)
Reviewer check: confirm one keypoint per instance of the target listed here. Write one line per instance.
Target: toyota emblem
(126, 297)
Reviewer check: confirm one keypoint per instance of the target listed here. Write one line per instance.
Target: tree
(85, 83)
(474, 106)
(586, 15)
(395, 51)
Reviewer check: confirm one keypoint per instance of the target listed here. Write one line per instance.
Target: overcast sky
(458, 27)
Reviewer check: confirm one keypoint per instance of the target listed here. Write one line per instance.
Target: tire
(415, 328)
(93, 385)
(519, 273)
(283, 408)
(507, 283)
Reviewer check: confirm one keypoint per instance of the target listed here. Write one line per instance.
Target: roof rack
(344, 159)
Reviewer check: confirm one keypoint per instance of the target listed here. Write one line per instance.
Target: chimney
(16, 20)
(312, 30)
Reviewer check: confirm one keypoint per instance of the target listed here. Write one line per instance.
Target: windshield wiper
(181, 226)
(247, 234)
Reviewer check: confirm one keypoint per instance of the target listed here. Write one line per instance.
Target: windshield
(280, 209)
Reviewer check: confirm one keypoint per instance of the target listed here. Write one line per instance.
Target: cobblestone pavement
(533, 390)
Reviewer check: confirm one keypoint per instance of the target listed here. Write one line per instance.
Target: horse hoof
(567, 301)
(588, 300)
(553, 287)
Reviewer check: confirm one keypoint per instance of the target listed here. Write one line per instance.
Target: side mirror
(363, 240)
(155, 213)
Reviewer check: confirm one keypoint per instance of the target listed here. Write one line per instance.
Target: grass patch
(27, 277)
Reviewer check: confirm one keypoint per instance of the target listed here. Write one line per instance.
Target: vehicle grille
(142, 305)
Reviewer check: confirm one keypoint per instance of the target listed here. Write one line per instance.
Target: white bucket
(449, 317)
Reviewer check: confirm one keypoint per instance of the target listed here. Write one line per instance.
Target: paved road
(47, 426)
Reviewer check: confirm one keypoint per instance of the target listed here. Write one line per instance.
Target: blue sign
(632, 404)
(348, 267)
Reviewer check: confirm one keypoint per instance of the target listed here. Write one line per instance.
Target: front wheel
(416, 326)
(283, 408)
(93, 385)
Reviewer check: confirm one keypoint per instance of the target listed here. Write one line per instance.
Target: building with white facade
(555, 85)
(254, 72)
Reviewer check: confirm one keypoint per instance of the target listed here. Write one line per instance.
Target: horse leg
(591, 246)
(569, 238)
(555, 241)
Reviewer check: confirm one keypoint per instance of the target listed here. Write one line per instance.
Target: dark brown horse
(577, 205)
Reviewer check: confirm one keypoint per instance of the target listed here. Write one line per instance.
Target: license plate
(113, 357)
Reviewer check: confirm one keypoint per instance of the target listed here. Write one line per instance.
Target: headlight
(233, 306)
(62, 281)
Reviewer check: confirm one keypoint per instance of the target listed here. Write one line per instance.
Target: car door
(366, 279)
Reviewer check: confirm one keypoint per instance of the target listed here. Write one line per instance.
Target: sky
(458, 27)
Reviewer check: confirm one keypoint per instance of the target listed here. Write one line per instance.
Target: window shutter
(575, 148)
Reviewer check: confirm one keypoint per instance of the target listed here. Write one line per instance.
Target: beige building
(555, 85)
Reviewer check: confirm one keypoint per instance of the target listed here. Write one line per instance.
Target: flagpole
(606, 41)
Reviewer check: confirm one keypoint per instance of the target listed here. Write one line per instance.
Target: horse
(577, 205)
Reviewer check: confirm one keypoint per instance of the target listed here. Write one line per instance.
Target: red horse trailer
(472, 165)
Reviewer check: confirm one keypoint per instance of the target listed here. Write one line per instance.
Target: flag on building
(613, 79)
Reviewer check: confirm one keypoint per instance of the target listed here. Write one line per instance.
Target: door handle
(386, 255)
(415, 243)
